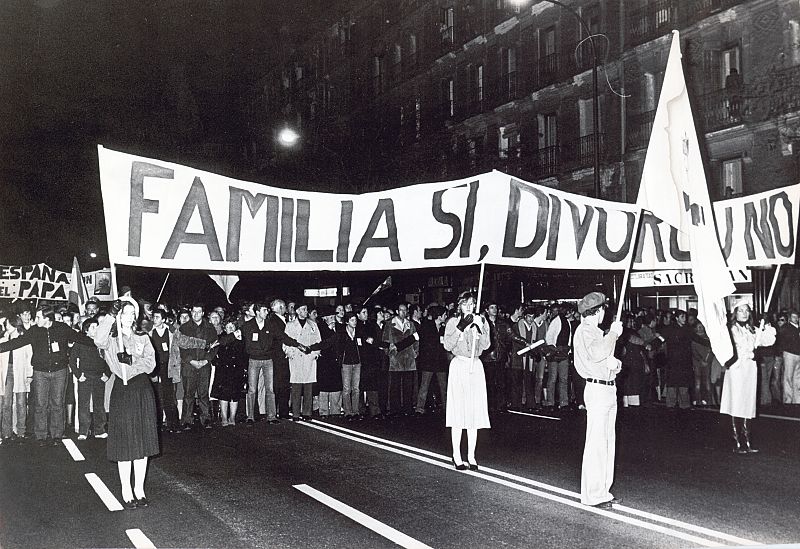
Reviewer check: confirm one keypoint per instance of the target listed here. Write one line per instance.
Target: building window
(585, 116)
(411, 53)
(397, 63)
(448, 98)
(378, 74)
(548, 136)
(476, 85)
(508, 146)
(417, 118)
(731, 178)
(508, 74)
(447, 26)
(728, 59)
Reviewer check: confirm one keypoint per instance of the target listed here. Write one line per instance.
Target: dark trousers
(515, 386)
(301, 399)
(282, 393)
(494, 385)
(94, 389)
(50, 392)
(195, 381)
(401, 392)
(578, 385)
(166, 403)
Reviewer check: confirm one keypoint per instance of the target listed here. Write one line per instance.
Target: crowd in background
(279, 360)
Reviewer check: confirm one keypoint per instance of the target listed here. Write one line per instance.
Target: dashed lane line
(105, 494)
(367, 521)
(139, 540)
(76, 454)
(520, 482)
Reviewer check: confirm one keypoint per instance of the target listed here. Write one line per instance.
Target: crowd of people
(293, 361)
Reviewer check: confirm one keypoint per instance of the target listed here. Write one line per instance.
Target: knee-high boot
(746, 434)
(738, 448)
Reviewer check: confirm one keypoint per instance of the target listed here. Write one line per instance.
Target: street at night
(261, 486)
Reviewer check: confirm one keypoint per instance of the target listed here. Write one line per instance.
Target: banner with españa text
(160, 214)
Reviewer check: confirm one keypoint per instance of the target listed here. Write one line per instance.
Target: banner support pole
(627, 276)
(477, 311)
(772, 288)
(164, 285)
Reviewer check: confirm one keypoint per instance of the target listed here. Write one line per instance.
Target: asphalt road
(301, 484)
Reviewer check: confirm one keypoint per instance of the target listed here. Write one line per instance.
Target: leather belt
(601, 381)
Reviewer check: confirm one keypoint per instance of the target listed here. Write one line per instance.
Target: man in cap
(595, 362)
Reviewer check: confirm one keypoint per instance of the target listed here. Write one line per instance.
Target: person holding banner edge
(466, 336)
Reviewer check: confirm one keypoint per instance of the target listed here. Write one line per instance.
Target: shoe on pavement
(250, 422)
(101, 435)
(274, 421)
(81, 437)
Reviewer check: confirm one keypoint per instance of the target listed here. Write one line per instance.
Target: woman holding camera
(132, 427)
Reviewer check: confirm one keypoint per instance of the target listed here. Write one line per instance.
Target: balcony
(640, 126)
(509, 90)
(580, 153)
(721, 109)
(546, 161)
(651, 21)
(577, 59)
(545, 71)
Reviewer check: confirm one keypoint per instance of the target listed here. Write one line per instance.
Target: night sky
(127, 75)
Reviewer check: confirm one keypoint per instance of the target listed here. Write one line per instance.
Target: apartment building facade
(402, 91)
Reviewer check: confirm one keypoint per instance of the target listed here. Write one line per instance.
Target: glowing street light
(288, 137)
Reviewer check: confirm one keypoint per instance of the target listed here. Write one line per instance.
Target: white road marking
(533, 415)
(69, 444)
(139, 540)
(376, 526)
(105, 494)
(445, 462)
(787, 418)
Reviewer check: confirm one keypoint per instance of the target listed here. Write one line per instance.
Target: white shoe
(101, 435)
(81, 437)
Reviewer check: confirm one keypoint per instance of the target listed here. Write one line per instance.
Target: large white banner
(755, 230)
(160, 214)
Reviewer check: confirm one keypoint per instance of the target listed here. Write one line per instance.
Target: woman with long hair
(466, 335)
(132, 426)
(741, 378)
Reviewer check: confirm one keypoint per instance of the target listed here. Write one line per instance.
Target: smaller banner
(680, 277)
(41, 281)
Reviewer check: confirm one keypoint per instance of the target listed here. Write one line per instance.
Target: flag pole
(626, 278)
(164, 285)
(772, 288)
(478, 310)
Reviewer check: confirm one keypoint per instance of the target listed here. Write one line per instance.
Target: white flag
(226, 282)
(77, 288)
(674, 188)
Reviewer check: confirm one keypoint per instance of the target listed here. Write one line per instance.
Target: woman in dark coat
(633, 362)
(679, 375)
(230, 377)
(329, 374)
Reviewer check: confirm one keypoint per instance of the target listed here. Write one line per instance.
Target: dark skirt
(230, 382)
(132, 429)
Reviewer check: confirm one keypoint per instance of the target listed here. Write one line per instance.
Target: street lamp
(595, 90)
(288, 137)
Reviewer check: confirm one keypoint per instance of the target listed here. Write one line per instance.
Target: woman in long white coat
(302, 366)
(739, 386)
